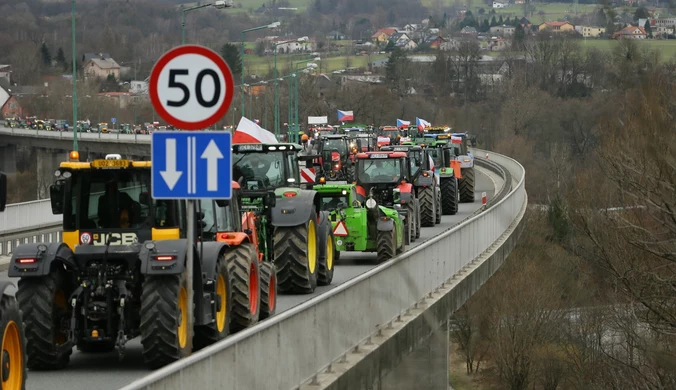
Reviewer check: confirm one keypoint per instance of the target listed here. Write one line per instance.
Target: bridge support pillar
(426, 367)
(47, 161)
(8, 159)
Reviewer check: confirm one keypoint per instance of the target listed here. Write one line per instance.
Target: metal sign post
(191, 87)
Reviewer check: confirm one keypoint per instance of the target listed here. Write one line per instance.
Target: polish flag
(250, 133)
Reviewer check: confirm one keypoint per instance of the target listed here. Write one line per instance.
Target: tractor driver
(115, 207)
(255, 167)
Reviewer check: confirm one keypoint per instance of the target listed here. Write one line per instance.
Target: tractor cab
(380, 173)
(336, 157)
(419, 161)
(260, 167)
(363, 142)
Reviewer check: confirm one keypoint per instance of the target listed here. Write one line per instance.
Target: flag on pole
(345, 116)
(403, 124)
(248, 132)
(257, 121)
(422, 124)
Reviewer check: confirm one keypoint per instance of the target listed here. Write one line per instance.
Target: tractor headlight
(397, 205)
(371, 203)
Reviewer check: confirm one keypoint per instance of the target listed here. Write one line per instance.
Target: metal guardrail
(31, 215)
(9, 243)
(304, 340)
(97, 137)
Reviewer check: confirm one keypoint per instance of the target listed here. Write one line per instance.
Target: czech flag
(403, 124)
(422, 124)
(249, 132)
(257, 121)
(345, 116)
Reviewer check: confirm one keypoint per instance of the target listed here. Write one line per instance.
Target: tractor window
(114, 199)
(225, 218)
(258, 171)
(379, 170)
(335, 144)
(415, 162)
(292, 168)
(332, 201)
(437, 156)
(209, 221)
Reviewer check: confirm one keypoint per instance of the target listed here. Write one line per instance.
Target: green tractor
(293, 231)
(425, 182)
(368, 227)
(385, 177)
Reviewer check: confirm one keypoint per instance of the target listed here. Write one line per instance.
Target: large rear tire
(43, 302)
(245, 279)
(296, 256)
(449, 196)
(268, 290)
(427, 207)
(327, 251)
(350, 171)
(437, 217)
(466, 185)
(165, 334)
(219, 329)
(13, 358)
(411, 217)
(417, 218)
(386, 244)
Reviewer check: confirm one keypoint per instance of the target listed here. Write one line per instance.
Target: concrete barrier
(290, 348)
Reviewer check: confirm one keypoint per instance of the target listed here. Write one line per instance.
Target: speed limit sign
(191, 87)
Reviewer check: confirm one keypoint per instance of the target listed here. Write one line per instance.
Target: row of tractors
(120, 270)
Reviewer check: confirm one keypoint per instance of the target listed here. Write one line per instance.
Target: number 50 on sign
(191, 87)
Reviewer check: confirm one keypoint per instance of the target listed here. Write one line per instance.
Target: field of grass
(667, 48)
(264, 65)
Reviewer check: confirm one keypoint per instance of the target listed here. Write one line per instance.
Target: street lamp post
(74, 76)
(271, 25)
(296, 120)
(217, 4)
(276, 91)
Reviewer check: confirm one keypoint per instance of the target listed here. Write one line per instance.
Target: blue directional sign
(113, 120)
(191, 165)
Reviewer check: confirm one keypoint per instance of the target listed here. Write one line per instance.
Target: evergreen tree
(500, 21)
(485, 27)
(393, 66)
(61, 59)
(648, 29)
(390, 46)
(518, 38)
(493, 21)
(45, 55)
(230, 54)
(508, 22)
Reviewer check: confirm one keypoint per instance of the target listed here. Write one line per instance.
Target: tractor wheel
(165, 334)
(44, 305)
(350, 172)
(427, 207)
(449, 196)
(386, 244)
(417, 218)
(466, 185)
(206, 335)
(437, 217)
(13, 358)
(327, 251)
(245, 281)
(268, 290)
(296, 251)
(411, 217)
(407, 228)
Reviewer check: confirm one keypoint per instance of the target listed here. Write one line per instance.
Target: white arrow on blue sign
(191, 165)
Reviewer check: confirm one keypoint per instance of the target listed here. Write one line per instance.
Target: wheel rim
(12, 358)
(183, 317)
(329, 253)
(221, 291)
(272, 294)
(311, 247)
(253, 288)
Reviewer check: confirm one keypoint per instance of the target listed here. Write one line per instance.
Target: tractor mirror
(56, 195)
(356, 203)
(3, 191)
(221, 202)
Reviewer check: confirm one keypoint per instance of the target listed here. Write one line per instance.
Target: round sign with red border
(191, 87)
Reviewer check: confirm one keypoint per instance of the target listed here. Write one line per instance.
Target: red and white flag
(250, 133)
